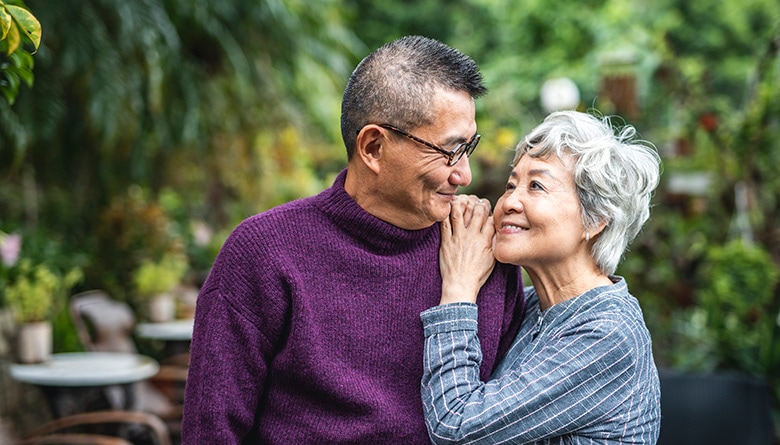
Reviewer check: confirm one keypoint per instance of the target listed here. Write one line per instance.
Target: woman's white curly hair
(614, 173)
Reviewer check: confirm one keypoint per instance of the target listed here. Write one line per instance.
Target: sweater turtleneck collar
(344, 211)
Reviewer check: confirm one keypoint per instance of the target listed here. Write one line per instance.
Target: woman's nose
(511, 203)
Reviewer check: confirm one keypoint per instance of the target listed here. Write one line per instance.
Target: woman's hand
(466, 253)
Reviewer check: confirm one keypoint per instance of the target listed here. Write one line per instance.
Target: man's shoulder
(277, 225)
(296, 210)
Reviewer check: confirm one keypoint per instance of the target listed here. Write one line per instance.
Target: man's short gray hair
(395, 85)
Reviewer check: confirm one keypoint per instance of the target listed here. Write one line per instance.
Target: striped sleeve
(558, 384)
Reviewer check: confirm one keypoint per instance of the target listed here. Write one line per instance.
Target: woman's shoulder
(603, 309)
(613, 298)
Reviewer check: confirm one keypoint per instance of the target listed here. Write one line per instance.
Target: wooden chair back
(100, 427)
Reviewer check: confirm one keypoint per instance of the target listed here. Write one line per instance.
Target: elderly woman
(581, 368)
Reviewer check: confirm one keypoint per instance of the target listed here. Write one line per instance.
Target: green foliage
(34, 289)
(713, 304)
(733, 324)
(35, 278)
(135, 228)
(15, 69)
(153, 278)
(17, 25)
(64, 336)
(17, 21)
(738, 283)
(200, 240)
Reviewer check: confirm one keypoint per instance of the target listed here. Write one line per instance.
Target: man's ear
(370, 146)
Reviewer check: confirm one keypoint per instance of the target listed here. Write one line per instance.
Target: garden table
(71, 381)
(175, 330)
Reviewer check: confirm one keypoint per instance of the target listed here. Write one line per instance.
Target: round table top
(166, 330)
(87, 369)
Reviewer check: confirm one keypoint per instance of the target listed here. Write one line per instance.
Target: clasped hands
(466, 254)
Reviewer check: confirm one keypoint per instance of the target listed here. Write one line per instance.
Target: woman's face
(538, 218)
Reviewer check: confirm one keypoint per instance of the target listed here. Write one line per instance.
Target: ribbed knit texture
(308, 331)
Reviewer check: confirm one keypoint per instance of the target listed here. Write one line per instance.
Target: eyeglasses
(452, 156)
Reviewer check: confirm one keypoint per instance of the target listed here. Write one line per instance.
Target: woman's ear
(370, 146)
(598, 229)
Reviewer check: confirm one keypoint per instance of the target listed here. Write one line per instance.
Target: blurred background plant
(155, 126)
(154, 283)
(736, 287)
(154, 277)
(36, 278)
(35, 291)
(134, 228)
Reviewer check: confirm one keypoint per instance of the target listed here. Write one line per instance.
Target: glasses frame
(453, 156)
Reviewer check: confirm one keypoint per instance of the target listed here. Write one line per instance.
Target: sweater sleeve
(563, 384)
(240, 313)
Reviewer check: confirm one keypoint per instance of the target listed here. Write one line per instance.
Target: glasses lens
(473, 145)
(464, 149)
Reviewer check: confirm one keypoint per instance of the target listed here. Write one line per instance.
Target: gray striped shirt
(581, 372)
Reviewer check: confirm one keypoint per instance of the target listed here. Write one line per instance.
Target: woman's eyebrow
(541, 172)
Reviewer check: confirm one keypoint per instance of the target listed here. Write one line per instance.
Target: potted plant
(154, 282)
(31, 292)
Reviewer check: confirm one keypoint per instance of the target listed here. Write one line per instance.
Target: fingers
(465, 208)
(466, 256)
(446, 226)
(488, 226)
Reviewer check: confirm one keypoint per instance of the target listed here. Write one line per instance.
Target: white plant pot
(35, 342)
(162, 308)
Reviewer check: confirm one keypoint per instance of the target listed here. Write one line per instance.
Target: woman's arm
(569, 383)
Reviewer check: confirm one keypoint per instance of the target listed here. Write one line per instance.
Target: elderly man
(307, 329)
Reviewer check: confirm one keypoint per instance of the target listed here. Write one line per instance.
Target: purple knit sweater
(308, 328)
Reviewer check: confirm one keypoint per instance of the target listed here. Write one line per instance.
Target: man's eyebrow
(454, 140)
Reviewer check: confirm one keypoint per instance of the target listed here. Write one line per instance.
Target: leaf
(5, 23)
(27, 22)
(8, 93)
(12, 77)
(22, 64)
(13, 38)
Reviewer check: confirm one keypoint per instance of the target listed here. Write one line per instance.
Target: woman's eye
(509, 186)
(535, 186)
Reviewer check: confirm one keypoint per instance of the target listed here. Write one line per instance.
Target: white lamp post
(559, 94)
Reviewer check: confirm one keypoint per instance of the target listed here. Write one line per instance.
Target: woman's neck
(562, 283)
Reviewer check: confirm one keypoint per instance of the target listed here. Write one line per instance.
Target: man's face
(418, 185)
